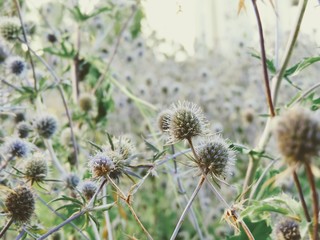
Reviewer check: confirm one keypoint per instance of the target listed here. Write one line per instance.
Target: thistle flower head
(88, 189)
(123, 146)
(72, 180)
(16, 147)
(86, 102)
(23, 129)
(288, 230)
(20, 204)
(101, 164)
(298, 134)
(16, 66)
(9, 28)
(186, 122)
(46, 125)
(214, 157)
(36, 168)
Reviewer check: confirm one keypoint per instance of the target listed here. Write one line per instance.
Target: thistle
(16, 147)
(46, 126)
(16, 66)
(88, 189)
(20, 204)
(36, 168)
(288, 230)
(186, 122)
(9, 28)
(298, 134)
(23, 129)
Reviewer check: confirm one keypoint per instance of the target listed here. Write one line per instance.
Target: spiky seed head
(9, 28)
(101, 164)
(86, 102)
(16, 147)
(19, 117)
(72, 180)
(288, 230)
(88, 189)
(16, 66)
(46, 126)
(164, 118)
(186, 122)
(298, 134)
(23, 129)
(20, 204)
(36, 169)
(51, 38)
(214, 157)
(123, 146)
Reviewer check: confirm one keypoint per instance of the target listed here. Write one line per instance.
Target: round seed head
(36, 168)
(288, 230)
(20, 204)
(16, 66)
(9, 28)
(164, 118)
(23, 129)
(214, 157)
(19, 117)
(88, 189)
(186, 121)
(298, 134)
(72, 180)
(123, 146)
(17, 148)
(86, 102)
(46, 126)
(101, 165)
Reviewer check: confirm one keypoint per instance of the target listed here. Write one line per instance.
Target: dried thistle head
(214, 157)
(16, 66)
(20, 204)
(16, 147)
(123, 146)
(102, 164)
(36, 169)
(288, 230)
(23, 129)
(9, 28)
(187, 121)
(88, 189)
(86, 102)
(298, 134)
(46, 125)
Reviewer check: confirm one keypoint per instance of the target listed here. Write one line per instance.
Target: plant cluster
(93, 146)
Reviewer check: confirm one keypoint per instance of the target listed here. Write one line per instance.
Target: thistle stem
(106, 215)
(301, 196)
(123, 196)
(314, 201)
(185, 211)
(6, 227)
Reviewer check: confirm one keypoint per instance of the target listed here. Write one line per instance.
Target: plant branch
(301, 196)
(24, 33)
(185, 211)
(264, 59)
(6, 227)
(314, 201)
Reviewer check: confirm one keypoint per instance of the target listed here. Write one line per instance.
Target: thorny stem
(21, 234)
(123, 196)
(276, 80)
(26, 42)
(301, 196)
(6, 227)
(185, 211)
(264, 59)
(314, 201)
(102, 77)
